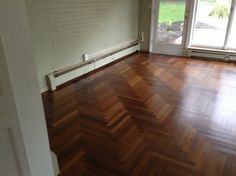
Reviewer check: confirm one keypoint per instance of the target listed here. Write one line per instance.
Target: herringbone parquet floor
(147, 115)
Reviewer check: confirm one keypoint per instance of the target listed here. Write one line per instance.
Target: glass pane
(171, 21)
(211, 23)
(232, 39)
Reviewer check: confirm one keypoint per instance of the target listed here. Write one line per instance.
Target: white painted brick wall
(64, 30)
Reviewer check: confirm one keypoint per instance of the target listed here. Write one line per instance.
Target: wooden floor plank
(147, 115)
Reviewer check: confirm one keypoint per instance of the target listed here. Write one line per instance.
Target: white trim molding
(212, 53)
(94, 62)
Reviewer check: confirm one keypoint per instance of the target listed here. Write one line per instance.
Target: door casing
(169, 49)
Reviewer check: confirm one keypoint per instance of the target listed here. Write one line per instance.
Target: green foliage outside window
(220, 11)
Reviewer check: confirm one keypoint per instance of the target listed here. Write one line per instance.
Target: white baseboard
(55, 164)
(44, 89)
(211, 53)
(54, 81)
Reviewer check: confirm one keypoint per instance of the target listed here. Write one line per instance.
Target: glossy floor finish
(147, 115)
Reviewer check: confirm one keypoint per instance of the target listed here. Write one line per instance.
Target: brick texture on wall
(64, 30)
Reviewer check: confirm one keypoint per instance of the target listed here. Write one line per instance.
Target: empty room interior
(118, 87)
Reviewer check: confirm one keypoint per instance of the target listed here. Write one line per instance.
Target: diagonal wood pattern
(147, 115)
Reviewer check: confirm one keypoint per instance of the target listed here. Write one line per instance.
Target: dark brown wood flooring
(147, 115)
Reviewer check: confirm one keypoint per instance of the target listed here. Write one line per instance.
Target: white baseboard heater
(94, 62)
(226, 55)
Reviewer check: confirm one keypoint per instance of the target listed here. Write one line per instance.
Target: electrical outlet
(85, 57)
(141, 37)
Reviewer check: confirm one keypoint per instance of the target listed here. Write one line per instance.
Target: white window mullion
(229, 27)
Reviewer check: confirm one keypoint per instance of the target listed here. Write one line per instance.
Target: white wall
(64, 30)
(24, 115)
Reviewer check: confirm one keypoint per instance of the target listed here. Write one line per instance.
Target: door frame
(171, 48)
(22, 117)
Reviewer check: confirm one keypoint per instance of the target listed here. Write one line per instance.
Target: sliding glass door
(180, 24)
(214, 24)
